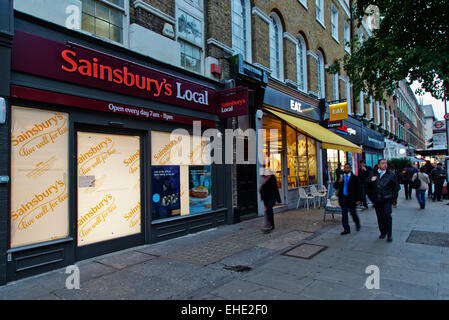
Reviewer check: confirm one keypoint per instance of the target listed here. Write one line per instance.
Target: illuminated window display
(108, 168)
(301, 153)
(181, 175)
(39, 169)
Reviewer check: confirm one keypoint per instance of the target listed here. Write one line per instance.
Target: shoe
(390, 239)
(266, 230)
(345, 232)
(382, 236)
(358, 228)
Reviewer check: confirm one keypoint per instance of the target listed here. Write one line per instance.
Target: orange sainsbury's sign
(338, 111)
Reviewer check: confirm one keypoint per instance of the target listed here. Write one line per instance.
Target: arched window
(276, 64)
(301, 60)
(241, 33)
(320, 75)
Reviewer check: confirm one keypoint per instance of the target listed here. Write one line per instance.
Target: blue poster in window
(200, 189)
(165, 199)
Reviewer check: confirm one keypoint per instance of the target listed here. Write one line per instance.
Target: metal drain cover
(438, 239)
(304, 251)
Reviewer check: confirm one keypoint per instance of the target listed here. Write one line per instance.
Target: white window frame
(198, 13)
(362, 102)
(125, 23)
(336, 80)
(301, 42)
(334, 22)
(303, 2)
(274, 19)
(247, 29)
(371, 108)
(348, 95)
(321, 83)
(320, 15)
(347, 36)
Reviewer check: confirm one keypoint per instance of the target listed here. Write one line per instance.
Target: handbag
(417, 183)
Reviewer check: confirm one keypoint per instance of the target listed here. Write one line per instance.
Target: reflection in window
(190, 40)
(312, 163)
(302, 156)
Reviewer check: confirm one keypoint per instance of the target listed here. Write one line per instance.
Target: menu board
(109, 204)
(39, 166)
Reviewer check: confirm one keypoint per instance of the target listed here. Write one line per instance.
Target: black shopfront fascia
(42, 257)
(354, 130)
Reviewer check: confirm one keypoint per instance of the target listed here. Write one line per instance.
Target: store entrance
(109, 192)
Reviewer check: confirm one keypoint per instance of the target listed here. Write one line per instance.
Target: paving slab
(124, 259)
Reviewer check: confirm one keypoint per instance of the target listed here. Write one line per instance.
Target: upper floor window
(241, 27)
(347, 37)
(276, 64)
(104, 18)
(334, 22)
(320, 11)
(320, 75)
(190, 37)
(336, 87)
(301, 60)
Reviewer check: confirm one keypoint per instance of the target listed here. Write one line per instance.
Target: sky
(438, 105)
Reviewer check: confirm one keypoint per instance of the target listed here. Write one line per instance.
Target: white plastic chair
(316, 194)
(303, 195)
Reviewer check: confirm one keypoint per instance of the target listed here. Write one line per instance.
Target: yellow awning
(328, 139)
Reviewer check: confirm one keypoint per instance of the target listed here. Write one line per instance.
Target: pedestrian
(438, 178)
(270, 195)
(398, 179)
(365, 172)
(428, 170)
(421, 190)
(338, 172)
(407, 175)
(384, 188)
(349, 196)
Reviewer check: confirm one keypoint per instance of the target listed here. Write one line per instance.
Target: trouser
(364, 201)
(438, 190)
(345, 217)
(421, 196)
(384, 219)
(408, 190)
(269, 214)
(429, 193)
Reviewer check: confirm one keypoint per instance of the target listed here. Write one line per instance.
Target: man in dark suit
(349, 195)
(384, 188)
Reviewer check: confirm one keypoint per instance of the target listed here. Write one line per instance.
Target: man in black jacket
(365, 172)
(270, 194)
(349, 195)
(438, 177)
(384, 188)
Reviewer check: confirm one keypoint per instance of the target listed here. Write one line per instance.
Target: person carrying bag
(420, 182)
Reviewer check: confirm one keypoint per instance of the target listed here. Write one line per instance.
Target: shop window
(109, 204)
(312, 161)
(302, 159)
(292, 158)
(104, 18)
(181, 175)
(39, 176)
(273, 146)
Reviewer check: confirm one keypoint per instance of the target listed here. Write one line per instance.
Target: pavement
(239, 262)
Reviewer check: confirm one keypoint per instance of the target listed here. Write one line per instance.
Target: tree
(410, 43)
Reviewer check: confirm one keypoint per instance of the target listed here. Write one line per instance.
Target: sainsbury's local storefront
(93, 162)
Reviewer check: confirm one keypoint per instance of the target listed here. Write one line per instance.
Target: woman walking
(421, 191)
